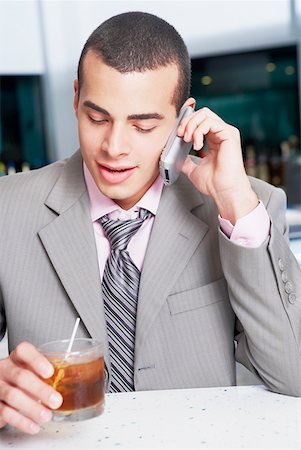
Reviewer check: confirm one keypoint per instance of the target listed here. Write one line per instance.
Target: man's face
(124, 121)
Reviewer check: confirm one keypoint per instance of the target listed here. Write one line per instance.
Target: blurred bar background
(245, 66)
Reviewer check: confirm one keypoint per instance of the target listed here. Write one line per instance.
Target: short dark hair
(138, 41)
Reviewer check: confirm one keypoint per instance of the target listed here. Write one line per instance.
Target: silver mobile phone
(174, 152)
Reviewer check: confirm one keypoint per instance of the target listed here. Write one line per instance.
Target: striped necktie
(120, 286)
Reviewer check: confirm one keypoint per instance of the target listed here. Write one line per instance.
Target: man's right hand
(25, 399)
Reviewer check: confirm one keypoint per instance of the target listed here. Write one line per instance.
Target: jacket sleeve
(264, 286)
(2, 317)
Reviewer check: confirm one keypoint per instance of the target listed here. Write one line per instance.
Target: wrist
(236, 204)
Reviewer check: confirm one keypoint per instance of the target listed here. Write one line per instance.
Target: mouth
(114, 175)
(116, 169)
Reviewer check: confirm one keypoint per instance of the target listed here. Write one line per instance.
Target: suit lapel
(69, 242)
(176, 234)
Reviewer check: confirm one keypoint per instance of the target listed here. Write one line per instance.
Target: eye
(97, 121)
(144, 130)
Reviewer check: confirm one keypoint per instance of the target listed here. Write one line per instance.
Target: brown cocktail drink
(78, 377)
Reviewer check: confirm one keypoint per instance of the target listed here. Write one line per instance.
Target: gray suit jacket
(202, 301)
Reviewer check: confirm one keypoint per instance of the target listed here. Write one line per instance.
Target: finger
(198, 139)
(196, 118)
(17, 420)
(203, 128)
(19, 401)
(215, 131)
(29, 383)
(188, 166)
(209, 113)
(2, 423)
(26, 354)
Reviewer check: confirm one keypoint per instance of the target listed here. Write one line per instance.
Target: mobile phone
(175, 151)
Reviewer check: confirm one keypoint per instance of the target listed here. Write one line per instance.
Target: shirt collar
(101, 205)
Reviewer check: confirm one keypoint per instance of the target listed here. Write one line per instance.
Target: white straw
(72, 336)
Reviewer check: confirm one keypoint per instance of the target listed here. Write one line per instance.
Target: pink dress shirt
(101, 205)
(247, 232)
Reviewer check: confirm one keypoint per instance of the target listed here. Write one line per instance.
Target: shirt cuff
(250, 230)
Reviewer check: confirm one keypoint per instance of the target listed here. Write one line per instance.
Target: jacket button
(288, 287)
(292, 298)
(280, 264)
(284, 276)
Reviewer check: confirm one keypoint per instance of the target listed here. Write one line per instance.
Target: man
(212, 249)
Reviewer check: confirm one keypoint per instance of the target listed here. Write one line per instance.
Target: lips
(114, 175)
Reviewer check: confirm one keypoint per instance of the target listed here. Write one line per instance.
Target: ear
(75, 100)
(190, 102)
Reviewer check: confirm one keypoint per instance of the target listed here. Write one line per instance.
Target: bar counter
(242, 417)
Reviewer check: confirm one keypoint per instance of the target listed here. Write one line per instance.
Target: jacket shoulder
(37, 180)
(266, 191)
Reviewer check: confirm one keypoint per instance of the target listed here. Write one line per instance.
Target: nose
(115, 142)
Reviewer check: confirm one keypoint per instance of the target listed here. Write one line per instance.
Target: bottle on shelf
(11, 168)
(25, 167)
(2, 169)
(276, 169)
(250, 161)
(263, 171)
(291, 158)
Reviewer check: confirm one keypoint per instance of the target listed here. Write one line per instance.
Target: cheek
(150, 159)
(150, 150)
(89, 138)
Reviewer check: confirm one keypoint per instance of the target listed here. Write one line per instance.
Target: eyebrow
(145, 116)
(96, 107)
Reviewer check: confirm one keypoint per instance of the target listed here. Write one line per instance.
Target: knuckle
(235, 131)
(2, 406)
(3, 392)
(17, 375)
(18, 351)
(9, 395)
(6, 413)
(21, 350)
(5, 365)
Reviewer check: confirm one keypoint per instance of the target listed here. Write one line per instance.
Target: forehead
(104, 83)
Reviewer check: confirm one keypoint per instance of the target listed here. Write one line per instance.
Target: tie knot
(119, 232)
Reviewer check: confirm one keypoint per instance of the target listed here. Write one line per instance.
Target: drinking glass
(78, 376)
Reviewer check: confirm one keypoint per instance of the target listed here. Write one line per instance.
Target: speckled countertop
(244, 417)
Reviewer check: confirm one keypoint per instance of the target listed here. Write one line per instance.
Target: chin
(115, 192)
